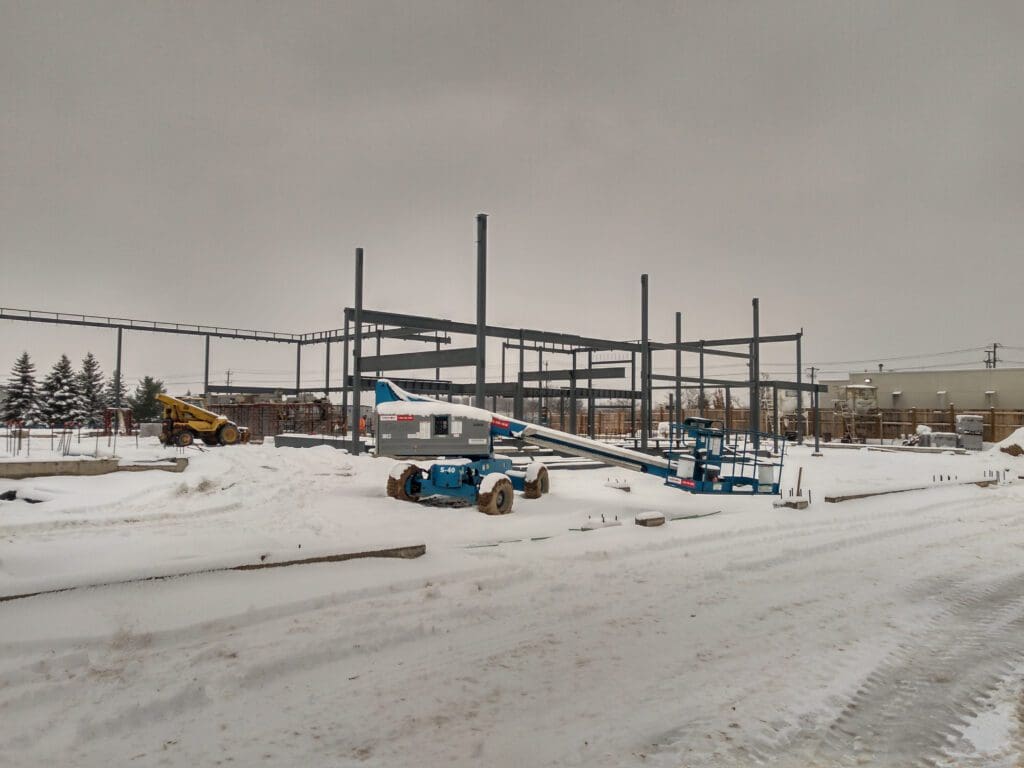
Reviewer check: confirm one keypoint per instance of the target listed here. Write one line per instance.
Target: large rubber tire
(227, 434)
(183, 438)
(541, 484)
(398, 487)
(209, 440)
(499, 500)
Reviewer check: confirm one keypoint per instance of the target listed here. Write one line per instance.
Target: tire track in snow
(910, 706)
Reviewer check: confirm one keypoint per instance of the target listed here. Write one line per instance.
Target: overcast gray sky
(858, 166)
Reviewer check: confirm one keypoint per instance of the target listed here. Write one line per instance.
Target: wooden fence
(888, 424)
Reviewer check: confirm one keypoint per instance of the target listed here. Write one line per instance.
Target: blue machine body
(459, 479)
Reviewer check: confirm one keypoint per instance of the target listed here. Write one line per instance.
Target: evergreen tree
(90, 390)
(21, 401)
(61, 402)
(143, 402)
(116, 393)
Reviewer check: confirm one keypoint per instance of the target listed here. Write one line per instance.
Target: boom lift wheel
(498, 501)
(537, 482)
(227, 434)
(398, 487)
(182, 438)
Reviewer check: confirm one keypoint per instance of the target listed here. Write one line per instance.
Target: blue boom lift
(710, 459)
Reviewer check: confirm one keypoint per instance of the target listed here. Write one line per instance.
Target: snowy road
(869, 632)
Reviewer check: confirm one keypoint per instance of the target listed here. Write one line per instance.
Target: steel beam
(747, 339)
(575, 373)
(493, 331)
(695, 346)
(409, 361)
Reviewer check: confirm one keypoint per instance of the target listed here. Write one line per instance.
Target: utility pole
(991, 356)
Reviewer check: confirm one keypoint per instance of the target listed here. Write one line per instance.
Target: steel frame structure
(361, 324)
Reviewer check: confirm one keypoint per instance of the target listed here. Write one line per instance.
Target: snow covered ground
(881, 631)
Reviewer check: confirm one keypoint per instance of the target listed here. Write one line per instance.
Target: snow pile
(1014, 444)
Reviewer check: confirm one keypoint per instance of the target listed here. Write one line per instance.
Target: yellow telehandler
(184, 422)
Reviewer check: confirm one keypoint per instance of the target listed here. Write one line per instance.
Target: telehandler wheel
(398, 487)
(537, 482)
(183, 438)
(497, 501)
(227, 434)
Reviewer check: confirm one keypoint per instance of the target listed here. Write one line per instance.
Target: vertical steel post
(677, 412)
(481, 308)
(591, 426)
(206, 367)
(357, 353)
(298, 368)
(344, 376)
(632, 397)
(118, 376)
(817, 425)
(437, 371)
(327, 370)
(775, 409)
(700, 392)
(645, 366)
(543, 386)
(755, 375)
(572, 398)
(728, 406)
(799, 392)
(518, 410)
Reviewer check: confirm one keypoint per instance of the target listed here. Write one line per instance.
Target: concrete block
(649, 519)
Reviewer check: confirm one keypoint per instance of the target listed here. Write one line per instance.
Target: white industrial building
(1000, 388)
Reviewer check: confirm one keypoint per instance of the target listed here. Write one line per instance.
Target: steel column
(357, 352)
(728, 405)
(206, 367)
(591, 427)
(676, 416)
(518, 403)
(632, 400)
(344, 376)
(118, 376)
(755, 374)
(327, 369)
(298, 369)
(645, 363)
(799, 394)
(775, 409)
(572, 399)
(540, 400)
(481, 308)
(700, 395)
